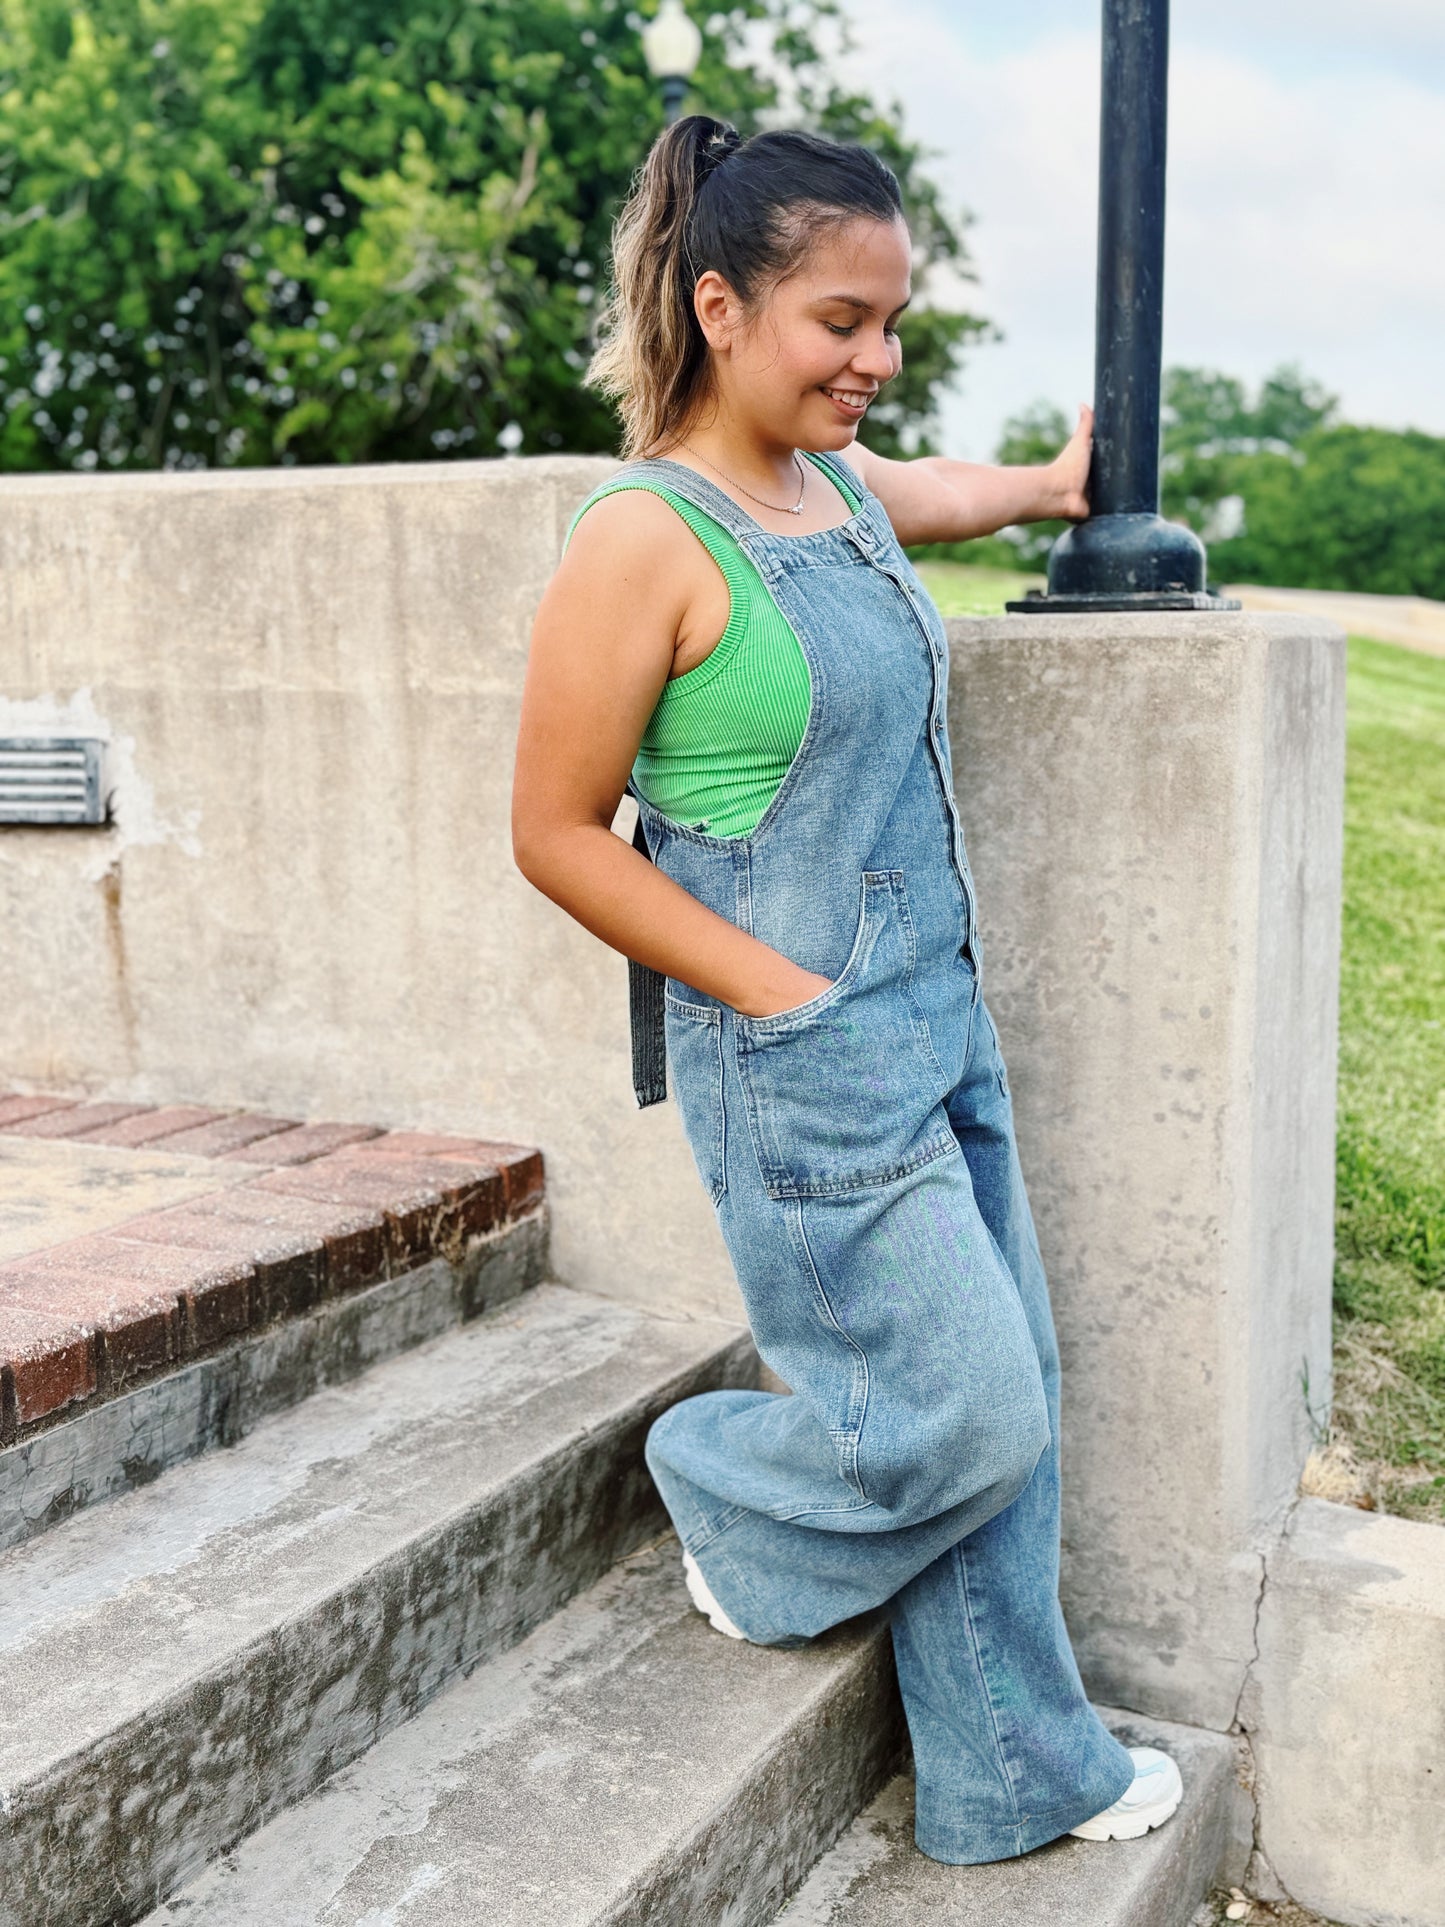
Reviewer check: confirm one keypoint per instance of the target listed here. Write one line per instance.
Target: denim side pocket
(694, 1051)
(845, 1090)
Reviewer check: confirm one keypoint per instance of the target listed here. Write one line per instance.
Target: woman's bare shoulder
(630, 519)
(626, 567)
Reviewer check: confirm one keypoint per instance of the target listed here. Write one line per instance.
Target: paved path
(1412, 621)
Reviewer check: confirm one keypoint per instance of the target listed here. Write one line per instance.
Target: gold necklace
(795, 508)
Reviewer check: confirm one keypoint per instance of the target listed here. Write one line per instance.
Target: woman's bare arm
(602, 648)
(936, 499)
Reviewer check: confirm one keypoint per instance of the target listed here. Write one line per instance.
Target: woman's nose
(877, 359)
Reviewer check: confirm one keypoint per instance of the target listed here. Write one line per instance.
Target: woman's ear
(717, 308)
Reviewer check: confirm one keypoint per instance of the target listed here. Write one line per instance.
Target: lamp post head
(671, 42)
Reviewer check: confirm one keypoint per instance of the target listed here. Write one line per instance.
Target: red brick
(352, 1238)
(146, 1127)
(75, 1119)
(137, 1324)
(524, 1172)
(521, 1167)
(14, 1110)
(421, 1144)
(228, 1134)
(287, 1264)
(433, 1206)
(45, 1364)
(150, 1304)
(301, 1146)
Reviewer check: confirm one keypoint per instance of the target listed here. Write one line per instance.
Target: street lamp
(671, 45)
(1126, 556)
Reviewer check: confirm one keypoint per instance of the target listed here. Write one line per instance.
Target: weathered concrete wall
(308, 903)
(1346, 1708)
(1154, 812)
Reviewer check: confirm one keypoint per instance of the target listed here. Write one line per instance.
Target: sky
(1306, 192)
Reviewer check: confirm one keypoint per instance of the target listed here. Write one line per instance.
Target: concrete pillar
(1153, 808)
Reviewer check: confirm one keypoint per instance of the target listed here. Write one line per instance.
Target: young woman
(735, 635)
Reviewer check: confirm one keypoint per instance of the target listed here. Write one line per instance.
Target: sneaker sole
(1132, 1826)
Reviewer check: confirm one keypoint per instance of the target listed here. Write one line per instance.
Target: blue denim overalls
(859, 1150)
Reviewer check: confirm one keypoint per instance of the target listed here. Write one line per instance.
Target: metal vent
(51, 779)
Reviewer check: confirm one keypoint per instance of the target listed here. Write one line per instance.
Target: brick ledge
(330, 1208)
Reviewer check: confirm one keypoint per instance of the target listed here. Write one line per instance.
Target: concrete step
(180, 1664)
(875, 1877)
(625, 1764)
(129, 1440)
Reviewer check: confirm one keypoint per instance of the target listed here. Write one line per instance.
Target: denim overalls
(859, 1151)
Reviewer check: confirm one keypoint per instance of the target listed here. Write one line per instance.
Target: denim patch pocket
(694, 1052)
(845, 1090)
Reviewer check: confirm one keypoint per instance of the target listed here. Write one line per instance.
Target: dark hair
(706, 198)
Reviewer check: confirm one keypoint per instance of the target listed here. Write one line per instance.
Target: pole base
(1041, 602)
(1126, 561)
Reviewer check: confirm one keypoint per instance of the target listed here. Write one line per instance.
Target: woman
(735, 635)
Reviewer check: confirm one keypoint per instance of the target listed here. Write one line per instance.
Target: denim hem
(973, 1846)
(738, 1588)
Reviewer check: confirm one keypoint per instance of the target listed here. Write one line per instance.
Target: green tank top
(723, 736)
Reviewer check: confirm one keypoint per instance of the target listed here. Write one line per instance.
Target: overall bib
(859, 1151)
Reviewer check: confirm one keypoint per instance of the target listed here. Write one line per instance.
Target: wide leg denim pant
(917, 1462)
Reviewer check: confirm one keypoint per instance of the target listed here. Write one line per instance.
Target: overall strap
(645, 1010)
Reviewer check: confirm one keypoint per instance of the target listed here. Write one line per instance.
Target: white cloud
(1304, 200)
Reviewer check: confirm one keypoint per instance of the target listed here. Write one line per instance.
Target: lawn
(1387, 1437)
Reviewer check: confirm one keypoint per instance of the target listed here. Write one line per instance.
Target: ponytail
(706, 198)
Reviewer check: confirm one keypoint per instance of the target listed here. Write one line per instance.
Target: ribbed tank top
(722, 736)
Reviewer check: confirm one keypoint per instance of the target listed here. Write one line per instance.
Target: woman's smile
(851, 403)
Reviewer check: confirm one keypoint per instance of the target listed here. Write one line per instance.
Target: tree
(247, 231)
(1211, 430)
(1349, 508)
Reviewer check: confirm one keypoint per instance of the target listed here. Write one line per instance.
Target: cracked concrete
(1345, 1718)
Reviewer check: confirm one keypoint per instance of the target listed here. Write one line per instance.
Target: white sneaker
(1156, 1791)
(702, 1598)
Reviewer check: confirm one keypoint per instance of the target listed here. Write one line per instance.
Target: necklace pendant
(796, 509)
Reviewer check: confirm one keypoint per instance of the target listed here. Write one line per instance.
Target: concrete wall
(308, 902)
(1155, 824)
(1346, 1707)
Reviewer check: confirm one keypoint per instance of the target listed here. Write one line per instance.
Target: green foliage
(1211, 429)
(1353, 508)
(249, 231)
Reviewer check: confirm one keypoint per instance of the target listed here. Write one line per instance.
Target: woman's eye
(834, 329)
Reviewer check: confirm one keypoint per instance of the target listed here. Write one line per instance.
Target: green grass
(960, 589)
(1390, 1230)
(1387, 1441)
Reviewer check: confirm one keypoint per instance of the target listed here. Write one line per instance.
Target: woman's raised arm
(934, 498)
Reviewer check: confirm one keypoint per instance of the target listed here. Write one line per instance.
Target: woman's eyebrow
(855, 301)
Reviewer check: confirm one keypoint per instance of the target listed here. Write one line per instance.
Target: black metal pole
(1129, 325)
(1126, 556)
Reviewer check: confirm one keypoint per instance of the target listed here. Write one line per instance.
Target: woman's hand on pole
(1070, 470)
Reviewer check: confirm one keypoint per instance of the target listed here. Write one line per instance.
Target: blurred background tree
(259, 231)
